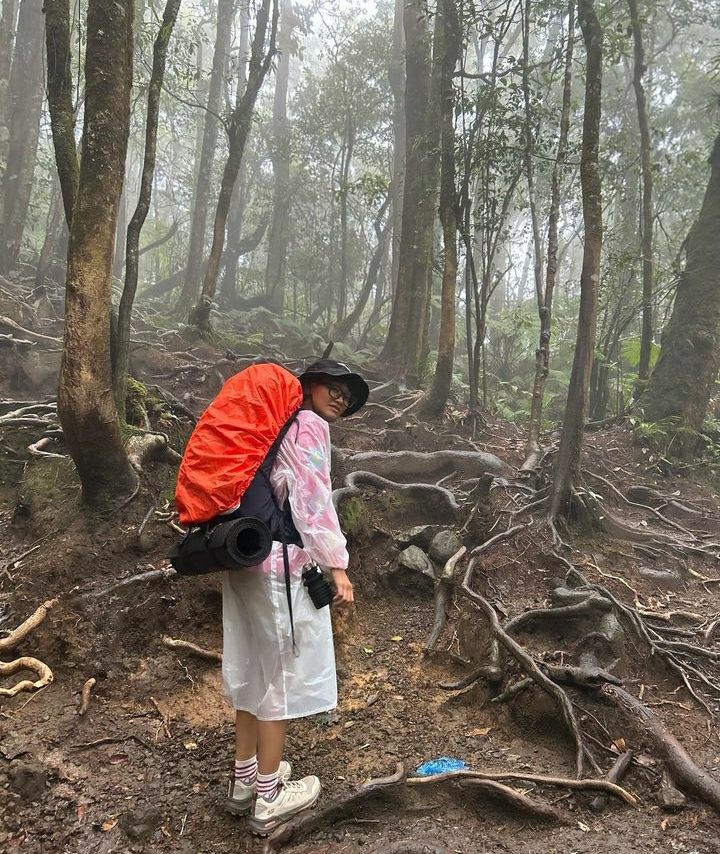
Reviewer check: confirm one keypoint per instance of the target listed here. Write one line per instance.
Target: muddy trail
(145, 766)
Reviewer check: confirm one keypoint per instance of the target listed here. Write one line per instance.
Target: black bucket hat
(330, 369)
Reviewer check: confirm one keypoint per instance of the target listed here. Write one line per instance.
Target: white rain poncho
(261, 672)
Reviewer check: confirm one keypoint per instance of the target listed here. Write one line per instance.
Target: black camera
(225, 545)
(318, 586)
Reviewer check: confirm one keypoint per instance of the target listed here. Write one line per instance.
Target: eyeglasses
(337, 392)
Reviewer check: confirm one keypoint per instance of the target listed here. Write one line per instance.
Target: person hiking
(278, 656)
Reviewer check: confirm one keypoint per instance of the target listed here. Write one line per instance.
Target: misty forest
(505, 216)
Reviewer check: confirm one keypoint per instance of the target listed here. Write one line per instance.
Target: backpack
(223, 489)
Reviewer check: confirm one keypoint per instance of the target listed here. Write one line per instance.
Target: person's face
(329, 399)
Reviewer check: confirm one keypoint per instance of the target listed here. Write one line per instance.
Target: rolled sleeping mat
(240, 542)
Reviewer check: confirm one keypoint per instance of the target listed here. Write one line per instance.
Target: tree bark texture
(448, 54)
(25, 107)
(646, 220)
(85, 402)
(684, 377)
(238, 132)
(275, 269)
(545, 296)
(132, 243)
(568, 458)
(7, 39)
(196, 245)
(407, 334)
(60, 99)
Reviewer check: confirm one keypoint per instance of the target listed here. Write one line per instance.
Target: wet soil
(146, 768)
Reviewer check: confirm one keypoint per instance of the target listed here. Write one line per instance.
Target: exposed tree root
(306, 823)
(588, 784)
(43, 672)
(614, 775)
(685, 772)
(13, 638)
(194, 649)
(443, 593)
(164, 574)
(150, 446)
(443, 501)
(85, 695)
(415, 465)
(527, 664)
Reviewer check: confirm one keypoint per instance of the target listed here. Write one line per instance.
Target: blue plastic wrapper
(441, 765)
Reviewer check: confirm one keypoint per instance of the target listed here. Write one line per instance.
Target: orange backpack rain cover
(232, 438)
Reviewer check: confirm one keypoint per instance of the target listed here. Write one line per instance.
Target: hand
(343, 587)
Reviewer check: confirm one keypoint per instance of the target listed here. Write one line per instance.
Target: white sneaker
(293, 797)
(240, 795)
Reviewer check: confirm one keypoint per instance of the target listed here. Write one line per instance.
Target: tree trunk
(196, 245)
(407, 333)
(26, 96)
(344, 327)
(396, 76)
(348, 149)
(684, 377)
(646, 222)
(132, 244)
(60, 99)
(7, 39)
(568, 458)
(545, 298)
(85, 403)
(275, 269)
(434, 401)
(238, 131)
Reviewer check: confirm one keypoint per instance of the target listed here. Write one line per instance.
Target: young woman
(268, 680)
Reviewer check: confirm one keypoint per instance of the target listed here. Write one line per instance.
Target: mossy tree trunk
(132, 244)
(684, 377)
(448, 53)
(407, 334)
(568, 458)
(85, 402)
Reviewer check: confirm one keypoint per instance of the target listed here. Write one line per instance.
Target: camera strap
(286, 562)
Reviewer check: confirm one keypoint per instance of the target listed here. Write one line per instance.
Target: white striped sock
(267, 785)
(246, 769)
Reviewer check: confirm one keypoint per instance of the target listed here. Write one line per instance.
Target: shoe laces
(293, 786)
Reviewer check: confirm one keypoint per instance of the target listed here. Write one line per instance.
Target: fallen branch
(43, 672)
(443, 592)
(186, 646)
(518, 800)
(33, 336)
